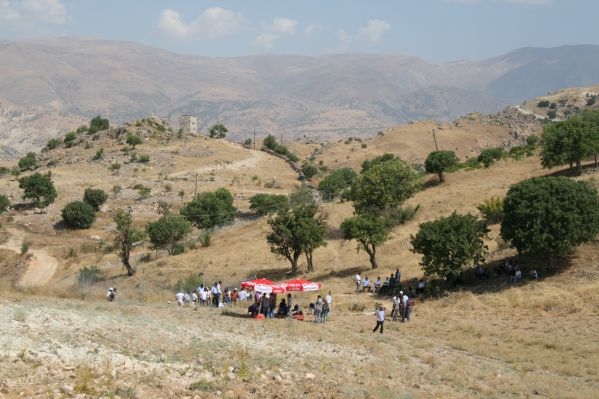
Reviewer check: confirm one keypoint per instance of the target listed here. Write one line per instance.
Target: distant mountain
(324, 96)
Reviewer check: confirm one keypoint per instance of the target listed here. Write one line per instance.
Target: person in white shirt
(366, 285)
(180, 298)
(204, 296)
(396, 307)
(380, 319)
(194, 298)
(404, 306)
(111, 294)
(358, 280)
(242, 295)
(329, 300)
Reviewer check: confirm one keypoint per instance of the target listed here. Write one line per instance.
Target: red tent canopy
(301, 285)
(263, 285)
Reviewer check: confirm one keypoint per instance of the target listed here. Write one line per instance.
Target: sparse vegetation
(492, 210)
(488, 156)
(97, 124)
(218, 131)
(4, 203)
(28, 162)
(52, 144)
(309, 170)
(134, 140)
(99, 154)
(126, 235)
(336, 184)
(95, 198)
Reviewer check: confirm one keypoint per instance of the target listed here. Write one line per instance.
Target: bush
(403, 215)
(532, 140)
(144, 158)
(94, 197)
(4, 170)
(79, 215)
(189, 283)
(95, 125)
(114, 167)
(301, 196)
(552, 114)
(248, 142)
(69, 139)
(553, 106)
(592, 100)
(99, 154)
(309, 170)
(52, 144)
(489, 155)
(4, 203)
(492, 210)
(264, 204)
(144, 192)
(28, 162)
(543, 104)
(336, 183)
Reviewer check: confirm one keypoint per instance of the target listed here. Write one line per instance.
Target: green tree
(28, 162)
(335, 184)
(39, 188)
(369, 163)
(218, 131)
(134, 140)
(309, 170)
(78, 215)
(98, 124)
(264, 204)
(568, 141)
(4, 203)
(270, 142)
(294, 232)
(369, 231)
(94, 197)
(126, 236)
(384, 186)
(210, 209)
(168, 231)
(450, 243)
(550, 215)
(439, 161)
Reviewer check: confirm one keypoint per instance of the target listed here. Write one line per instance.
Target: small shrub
(79, 215)
(592, 100)
(4, 203)
(492, 210)
(168, 187)
(400, 216)
(52, 144)
(189, 283)
(543, 104)
(116, 190)
(205, 238)
(489, 155)
(144, 192)
(99, 154)
(144, 158)
(28, 162)
(115, 167)
(95, 198)
(202, 385)
(309, 170)
(552, 114)
(364, 145)
(69, 139)
(24, 248)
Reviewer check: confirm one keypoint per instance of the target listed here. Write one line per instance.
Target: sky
(435, 30)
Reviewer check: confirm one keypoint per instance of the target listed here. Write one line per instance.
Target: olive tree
(369, 231)
(439, 161)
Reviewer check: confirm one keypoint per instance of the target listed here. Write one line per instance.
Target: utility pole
(195, 189)
(281, 138)
(435, 138)
(254, 139)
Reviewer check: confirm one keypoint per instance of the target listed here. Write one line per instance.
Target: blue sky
(435, 30)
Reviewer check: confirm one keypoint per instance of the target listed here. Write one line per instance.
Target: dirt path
(247, 163)
(40, 267)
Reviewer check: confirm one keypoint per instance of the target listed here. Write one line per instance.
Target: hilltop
(325, 97)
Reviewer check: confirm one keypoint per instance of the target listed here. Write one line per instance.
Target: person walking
(380, 319)
(329, 300)
(358, 280)
(396, 307)
(404, 306)
(318, 309)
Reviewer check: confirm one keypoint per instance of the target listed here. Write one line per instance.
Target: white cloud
(8, 12)
(310, 29)
(27, 12)
(374, 30)
(284, 26)
(212, 23)
(264, 41)
(51, 11)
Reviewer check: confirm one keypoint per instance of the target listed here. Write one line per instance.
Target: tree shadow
(572, 172)
(23, 206)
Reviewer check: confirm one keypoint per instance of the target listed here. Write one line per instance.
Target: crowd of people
(262, 305)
